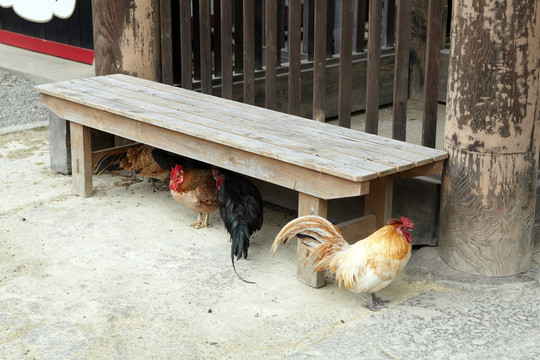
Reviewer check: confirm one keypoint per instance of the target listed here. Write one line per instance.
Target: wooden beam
(205, 43)
(345, 64)
(226, 50)
(271, 40)
(379, 200)
(295, 31)
(309, 205)
(373, 67)
(359, 228)
(81, 159)
(401, 71)
(431, 84)
(319, 63)
(185, 44)
(249, 52)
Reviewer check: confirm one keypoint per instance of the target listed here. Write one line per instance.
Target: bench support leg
(81, 159)
(379, 200)
(309, 205)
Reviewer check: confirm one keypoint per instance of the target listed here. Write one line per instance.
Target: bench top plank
(329, 149)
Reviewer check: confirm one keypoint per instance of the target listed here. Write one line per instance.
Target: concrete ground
(121, 275)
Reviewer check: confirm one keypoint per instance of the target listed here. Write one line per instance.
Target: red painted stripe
(47, 47)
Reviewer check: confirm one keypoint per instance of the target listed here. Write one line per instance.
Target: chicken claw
(375, 303)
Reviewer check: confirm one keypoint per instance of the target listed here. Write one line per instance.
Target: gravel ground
(19, 102)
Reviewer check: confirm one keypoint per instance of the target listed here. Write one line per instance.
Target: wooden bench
(318, 160)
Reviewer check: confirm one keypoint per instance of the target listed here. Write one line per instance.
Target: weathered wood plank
(358, 229)
(345, 65)
(218, 153)
(81, 159)
(379, 200)
(364, 156)
(319, 63)
(401, 72)
(374, 67)
(294, 37)
(271, 41)
(309, 205)
(166, 43)
(431, 84)
(226, 50)
(423, 152)
(249, 52)
(205, 46)
(185, 44)
(318, 131)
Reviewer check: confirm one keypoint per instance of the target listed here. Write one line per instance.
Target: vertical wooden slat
(373, 66)
(345, 64)
(206, 46)
(258, 33)
(330, 28)
(401, 70)
(185, 43)
(319, 61)
(310, 31)
(249, 52)
(217, 37)
(196, 41)
(226, 50)
(433, 60)
(238, 36)
(361, 26)
(294, 28)
(270, 86)
(166, 42)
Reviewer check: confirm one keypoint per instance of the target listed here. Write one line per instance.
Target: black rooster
(241, 208)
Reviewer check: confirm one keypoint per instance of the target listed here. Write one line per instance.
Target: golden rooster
(196, 189)
(366, 266)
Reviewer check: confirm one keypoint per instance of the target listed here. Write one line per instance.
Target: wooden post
(127, 38)
(491, 134)
(309, 205)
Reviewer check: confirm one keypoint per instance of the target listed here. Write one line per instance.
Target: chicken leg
(375, 303)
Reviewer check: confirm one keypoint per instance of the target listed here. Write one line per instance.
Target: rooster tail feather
(312, 231)
(239, 244)
(110, 162)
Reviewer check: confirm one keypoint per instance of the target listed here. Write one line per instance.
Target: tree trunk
(491, 134)
(127, 38)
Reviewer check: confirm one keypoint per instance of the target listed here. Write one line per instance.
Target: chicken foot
(375, 303)
(200, 223)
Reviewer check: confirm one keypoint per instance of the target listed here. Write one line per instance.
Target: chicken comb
(408, 223)
(176, 169)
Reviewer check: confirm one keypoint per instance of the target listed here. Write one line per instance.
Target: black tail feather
(240, 245)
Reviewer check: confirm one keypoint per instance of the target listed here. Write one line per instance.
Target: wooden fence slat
(166, 43)
(319, 63)
(271, 40)
(195, 14)
(258, 33)
(249, 52)
(185, 43)
(373, 67)
(401, 71)
(238, 36)
(217, 37)
(294, 30)
(226, 50)
(345, 64)
(330, 28)
(431, 83)
(309, 29)
(361, 26)
(205, 46)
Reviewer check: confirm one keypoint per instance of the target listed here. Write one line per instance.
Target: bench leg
(379, 200)
(59, 144)
(309, 205)
(81, 159)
